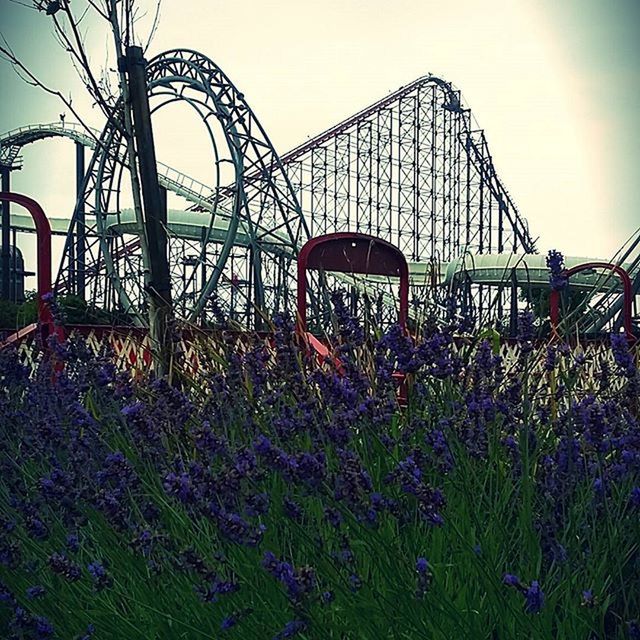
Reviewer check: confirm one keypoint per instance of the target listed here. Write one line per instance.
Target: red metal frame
(554, 300)
(43, 234)
(352, 253)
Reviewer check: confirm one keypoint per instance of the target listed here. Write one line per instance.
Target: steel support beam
(6, 236)
(81, 231)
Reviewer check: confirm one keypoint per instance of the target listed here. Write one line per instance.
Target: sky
(555, 86)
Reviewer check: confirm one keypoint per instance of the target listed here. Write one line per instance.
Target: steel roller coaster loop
(260, 199)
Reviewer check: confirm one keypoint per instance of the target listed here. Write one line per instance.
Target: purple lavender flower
(588, 599)
(5, 593)
(88, 634)
(550, 358)
(292, 509)
(207, 442)
(409, 475)
(26, 625)
(333, 517)
(57, 485)
(485, 360)
(290, 629)
(22, 621)
(298, 582)
(43, 628)
(598, 486)
(349, 328)
(237, 529)
(634, 629)
(424, 577)
(623, 355)
(557, 276)
(37, 591)
(402, 352)
(310, 468)
(257, 505)
(437, 440)
(73, 543)
(526, 329)
(352, 482)
(228, 622)
(36, 528)
(101, 580)
(217, 587)
(355, 583)
(534, 598)
(9, 553)
(232, 620)
(179, 485)
(60, 564)
(511, 580)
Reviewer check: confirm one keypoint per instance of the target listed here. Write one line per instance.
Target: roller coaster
(413, 169)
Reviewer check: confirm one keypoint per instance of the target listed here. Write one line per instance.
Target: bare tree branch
(79, 53)
(24, 4)
(121, 15)
(154, 26)
(97, 9)
(27, 76)
(84, 13)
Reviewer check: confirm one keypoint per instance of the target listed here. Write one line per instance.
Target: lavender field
(281, 498)
(285, 349)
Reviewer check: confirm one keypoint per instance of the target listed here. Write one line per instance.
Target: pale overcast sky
(555, 86)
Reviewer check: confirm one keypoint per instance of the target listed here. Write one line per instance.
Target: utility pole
(154, 212)
(81, 231)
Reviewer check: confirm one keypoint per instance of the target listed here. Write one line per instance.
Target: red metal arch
(554, 301)
(352, 253)
(43, 235)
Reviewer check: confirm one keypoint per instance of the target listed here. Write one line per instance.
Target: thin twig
(80, 54)
(24, 4)
(154, 26)
(84, 13)
(97, 9)
(31, 79)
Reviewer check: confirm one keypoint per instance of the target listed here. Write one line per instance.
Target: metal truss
(11, 143)
(412, 169)
(259, 198)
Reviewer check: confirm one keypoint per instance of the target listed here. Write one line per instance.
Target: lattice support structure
(412, 169)
(259, 203)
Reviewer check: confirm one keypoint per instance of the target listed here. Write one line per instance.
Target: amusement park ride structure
(412, 170)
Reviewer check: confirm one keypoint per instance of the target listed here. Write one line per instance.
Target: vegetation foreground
(277, 498)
